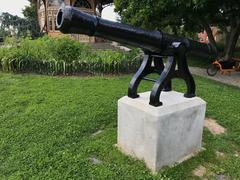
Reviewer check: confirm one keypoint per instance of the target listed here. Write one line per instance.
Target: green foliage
(15, 26)
(52, 127)
(196, 61)
(63, 56)
(190, 15)
(185, 17)
(63, 48)
(11, 25)
(30, 13)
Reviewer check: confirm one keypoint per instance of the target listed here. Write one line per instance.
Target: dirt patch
(222, 177)
(219, 154)
(95, 161)
(200, 171)
(237, 154)
(213, 126)
(97, 133)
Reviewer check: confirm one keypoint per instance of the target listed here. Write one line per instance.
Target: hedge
(64, 56)
(74, 68)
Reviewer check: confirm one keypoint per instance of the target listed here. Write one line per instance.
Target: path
(232, 79)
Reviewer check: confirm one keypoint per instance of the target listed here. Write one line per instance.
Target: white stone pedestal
(160, 135)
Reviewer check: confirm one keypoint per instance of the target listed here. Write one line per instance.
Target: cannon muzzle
(72, 21)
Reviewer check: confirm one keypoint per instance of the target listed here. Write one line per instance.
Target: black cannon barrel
(72, 21)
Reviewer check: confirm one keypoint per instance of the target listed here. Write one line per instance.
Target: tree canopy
(11, 25)
(30, 13)
(181, 16)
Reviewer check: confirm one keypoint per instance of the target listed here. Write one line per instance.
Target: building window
(55, 24)
(55, 2)
(41, 4)
(50, 24)
(82, 4)
(42, 22)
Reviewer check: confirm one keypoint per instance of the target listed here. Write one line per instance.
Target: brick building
(47, 11)
(203, 37)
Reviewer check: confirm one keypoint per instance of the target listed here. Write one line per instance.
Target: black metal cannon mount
(156, 45)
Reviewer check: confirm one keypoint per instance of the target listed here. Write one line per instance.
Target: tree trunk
(210, 35)
(231, 42)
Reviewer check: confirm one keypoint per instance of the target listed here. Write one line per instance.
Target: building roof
(104, 2)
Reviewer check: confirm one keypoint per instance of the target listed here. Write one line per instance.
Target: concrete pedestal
(160, 135)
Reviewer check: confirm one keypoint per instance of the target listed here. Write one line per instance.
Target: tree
(181, 16)
(11, 25)
(30, 13)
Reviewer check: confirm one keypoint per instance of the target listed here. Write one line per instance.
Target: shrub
(63, 56)
(66, 49)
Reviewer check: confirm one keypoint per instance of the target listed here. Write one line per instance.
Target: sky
(15, 7)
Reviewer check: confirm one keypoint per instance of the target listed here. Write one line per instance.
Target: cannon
(155, 44)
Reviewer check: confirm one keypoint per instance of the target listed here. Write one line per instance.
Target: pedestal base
(160, 135)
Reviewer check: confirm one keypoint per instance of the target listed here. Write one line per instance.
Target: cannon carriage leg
(145, 69)
(184, 73)
(167, 73)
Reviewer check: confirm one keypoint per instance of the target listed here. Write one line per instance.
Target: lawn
(202, 62)
(66, 128)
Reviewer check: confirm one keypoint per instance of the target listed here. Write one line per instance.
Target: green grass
(47, 126)
(196, 61)
(237, 54)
